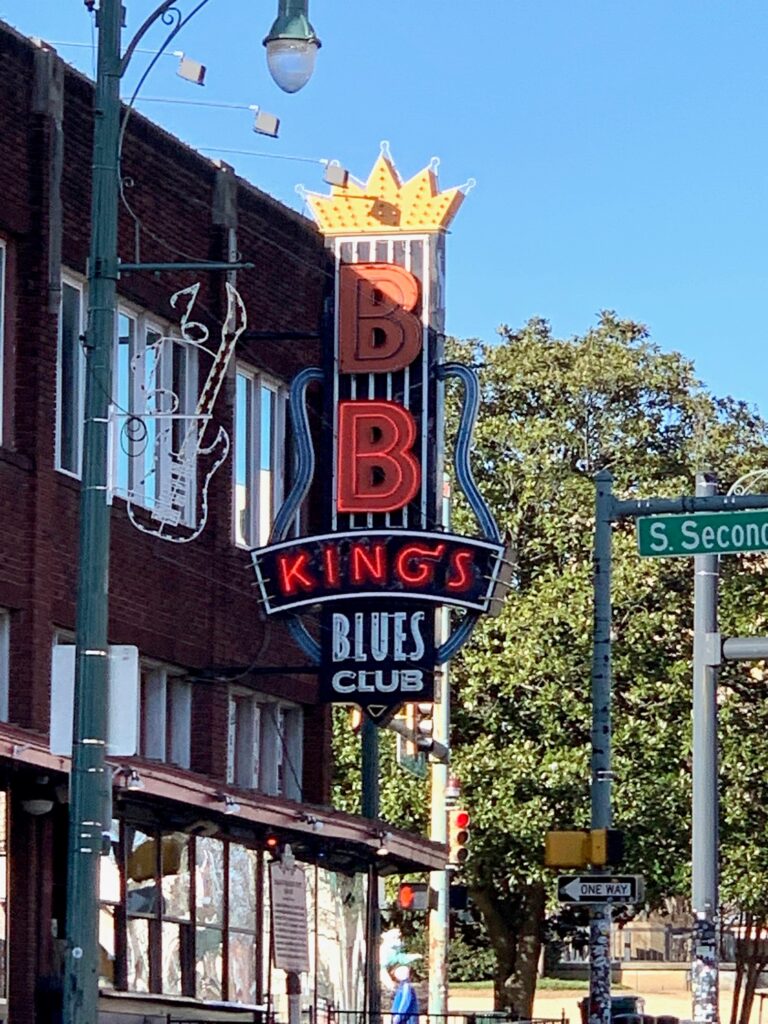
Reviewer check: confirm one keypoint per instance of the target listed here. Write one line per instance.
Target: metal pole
(370, 801)
(704, 897)
(89, 783)
(600, 789)
(439, 881)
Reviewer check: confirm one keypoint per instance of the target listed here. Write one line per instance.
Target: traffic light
(356, 719)
(598, 847)
(410, 718)
(458, 836)
(424, 727)
(566, 849)
(606, 847)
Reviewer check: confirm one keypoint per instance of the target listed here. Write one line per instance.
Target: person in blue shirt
(405, 1005)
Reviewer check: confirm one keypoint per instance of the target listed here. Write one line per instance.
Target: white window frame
(165, 693)
(282, 748)
(5, 663)
(253, 530)
(265, 744)
(78, 285)
(142, 395)
(243, 738)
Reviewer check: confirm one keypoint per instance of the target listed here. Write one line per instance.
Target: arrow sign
(600, 889)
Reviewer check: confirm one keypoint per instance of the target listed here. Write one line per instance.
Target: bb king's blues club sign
(361, 596)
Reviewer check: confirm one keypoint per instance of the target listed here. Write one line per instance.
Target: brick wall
(191, 605)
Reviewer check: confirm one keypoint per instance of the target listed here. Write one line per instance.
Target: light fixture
(231, 806)
(315, 823)
(191, 70)
(335, 174)
(40, 798)
(384, 838)
(133, 779)
(265, 123)
(291, 46)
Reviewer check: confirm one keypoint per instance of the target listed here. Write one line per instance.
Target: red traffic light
(458, 836)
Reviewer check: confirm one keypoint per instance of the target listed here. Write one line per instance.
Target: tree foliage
(554, 412)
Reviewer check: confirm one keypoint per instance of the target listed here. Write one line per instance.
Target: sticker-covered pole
(704, 896)
(600, 789)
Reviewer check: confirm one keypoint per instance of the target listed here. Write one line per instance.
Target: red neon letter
(412, 564)
(293, 574)
(377, 471)
(331, 566)
(368, 564)
(459, 575)
(378, 333)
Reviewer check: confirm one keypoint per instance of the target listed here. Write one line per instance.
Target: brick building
(233, 749)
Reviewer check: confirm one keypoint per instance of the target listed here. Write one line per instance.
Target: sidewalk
(553, 1005)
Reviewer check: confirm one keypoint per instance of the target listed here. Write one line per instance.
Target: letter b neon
(377, 471)
(378, 332)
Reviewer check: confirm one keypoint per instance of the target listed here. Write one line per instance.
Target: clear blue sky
(620, 146)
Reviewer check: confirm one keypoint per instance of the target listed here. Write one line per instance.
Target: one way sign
(600, 889)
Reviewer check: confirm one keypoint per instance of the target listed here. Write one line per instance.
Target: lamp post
(90, 781)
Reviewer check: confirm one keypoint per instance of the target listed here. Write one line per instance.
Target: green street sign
(704, 533)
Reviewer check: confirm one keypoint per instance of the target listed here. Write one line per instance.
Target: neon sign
(385, 562)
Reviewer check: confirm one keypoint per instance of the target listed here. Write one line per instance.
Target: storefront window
(189, 925)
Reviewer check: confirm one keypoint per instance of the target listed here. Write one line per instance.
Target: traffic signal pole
(705, 825)
(707, 653)
(439, 881)
(600, 786)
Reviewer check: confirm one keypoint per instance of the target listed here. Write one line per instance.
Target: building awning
(168, 797)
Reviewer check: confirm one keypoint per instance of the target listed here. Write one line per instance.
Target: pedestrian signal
(413, 896)
(458, 836)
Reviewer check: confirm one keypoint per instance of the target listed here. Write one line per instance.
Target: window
(165, 716)
(5, 662)
(154, 395)
(155, 435)
(70, 383)
(259, 456)
(265, 744)
(2, 329)
(191, 915)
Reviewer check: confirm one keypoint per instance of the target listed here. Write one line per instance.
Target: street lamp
(91, 780)
(291, 46)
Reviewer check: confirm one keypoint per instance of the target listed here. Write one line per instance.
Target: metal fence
(465, 1017)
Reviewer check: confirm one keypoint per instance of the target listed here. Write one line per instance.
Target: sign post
(702, 526)
(380, 569)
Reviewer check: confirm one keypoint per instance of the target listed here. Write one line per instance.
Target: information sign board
(289, 916)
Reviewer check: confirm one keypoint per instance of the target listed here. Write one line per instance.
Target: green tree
(554, 412)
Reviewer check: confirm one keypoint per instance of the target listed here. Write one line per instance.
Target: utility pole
(706, 658)
(600, 788)
(370, 801)
(90, 781)
(90, 784)
(439, 881)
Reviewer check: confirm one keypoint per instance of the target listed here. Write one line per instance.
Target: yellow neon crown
(384, 205)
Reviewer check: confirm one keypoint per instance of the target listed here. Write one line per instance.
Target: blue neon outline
(304, 472)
